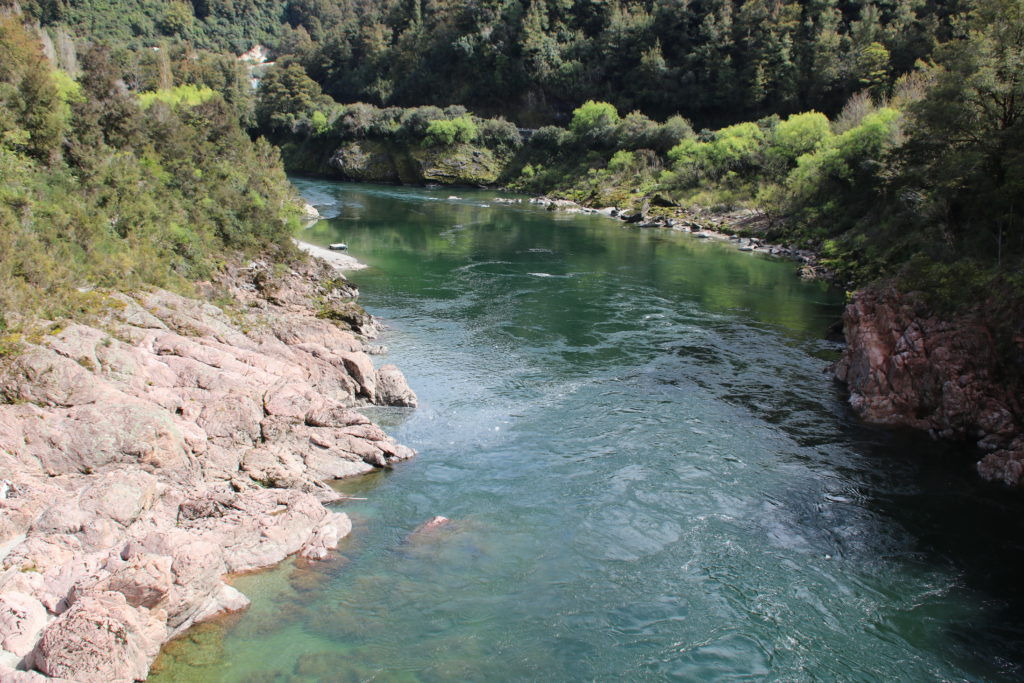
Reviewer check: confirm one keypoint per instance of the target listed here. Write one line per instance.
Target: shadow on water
(932, 490)
(927, 495)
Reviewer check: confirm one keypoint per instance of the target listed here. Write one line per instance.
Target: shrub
(549, 138)
(736, 147)
(669, 134)
(635, 131)
(355, 121)
(440, 133)
(500, 134)
(691, 161)
(465, 129)
(444, 133)
(188, 95)
(385, 123)
(593, 115)
(414, 122)
(319, 122)
(621, 160)
(843, 158)
(594, 123)
(798, 135)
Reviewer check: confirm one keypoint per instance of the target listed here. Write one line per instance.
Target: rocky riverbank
(148, 455)
(906, 366)
(737, 228)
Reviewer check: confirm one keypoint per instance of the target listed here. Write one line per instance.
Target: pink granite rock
(392, 389)
(101, 638)
(147, 458)
(906, 366)
(22, 618)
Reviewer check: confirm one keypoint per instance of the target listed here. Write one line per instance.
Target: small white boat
(338, 246)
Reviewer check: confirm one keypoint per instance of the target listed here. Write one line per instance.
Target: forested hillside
(104, 190)
(714, 61)
(219, 25)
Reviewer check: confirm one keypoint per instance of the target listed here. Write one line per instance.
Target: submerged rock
(431, 524)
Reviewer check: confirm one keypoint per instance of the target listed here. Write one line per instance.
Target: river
(649, 473)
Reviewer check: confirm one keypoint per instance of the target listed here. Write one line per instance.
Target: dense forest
(713, 61)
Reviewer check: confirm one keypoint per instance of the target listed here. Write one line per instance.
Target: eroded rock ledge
(905, 366)
(146, 457)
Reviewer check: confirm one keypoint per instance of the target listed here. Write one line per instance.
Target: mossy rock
(327, 666)
(308, 156)
(200, 648)
(457, 165)
(366, 160)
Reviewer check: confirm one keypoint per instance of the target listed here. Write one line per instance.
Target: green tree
(873, 68)
(594, 123)
(36, 116)
(287, 96)
(176, 20)
(107, 113)
(446, 132)
(736, 147)
(966, 149)
(799, 134)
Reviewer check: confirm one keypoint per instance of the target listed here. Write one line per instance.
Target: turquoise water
(650, 476)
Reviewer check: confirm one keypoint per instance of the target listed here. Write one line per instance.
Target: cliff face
(905, 366)
(147, 456)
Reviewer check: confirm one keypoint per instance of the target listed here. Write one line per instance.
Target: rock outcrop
(906, 366)
(382, 162)
(149, 455)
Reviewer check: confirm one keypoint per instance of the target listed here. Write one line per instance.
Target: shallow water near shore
(649, 474)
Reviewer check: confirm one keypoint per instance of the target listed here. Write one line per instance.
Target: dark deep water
(651, 477)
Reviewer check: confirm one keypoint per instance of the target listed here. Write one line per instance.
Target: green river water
(649, 472)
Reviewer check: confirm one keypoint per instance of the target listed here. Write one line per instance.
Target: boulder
(360, 367)
(364, 160)
(46, 378)
(906, 366)
(350, 316)
(120, 496)
(22, 619)
(392, 389)
(145, 580)
(101, 639)
(326, 536)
